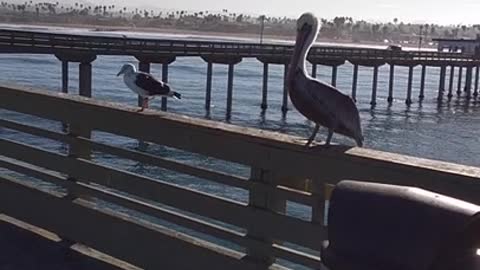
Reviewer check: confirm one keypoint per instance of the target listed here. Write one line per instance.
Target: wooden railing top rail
(42, 42)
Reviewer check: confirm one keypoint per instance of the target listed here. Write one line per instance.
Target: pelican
(145, 85)
(319, 102)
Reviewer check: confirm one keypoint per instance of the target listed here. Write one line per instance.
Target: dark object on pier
(386, 227)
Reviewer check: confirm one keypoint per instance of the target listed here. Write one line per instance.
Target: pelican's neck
(302, 63)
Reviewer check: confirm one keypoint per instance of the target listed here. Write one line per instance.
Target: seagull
(318, 101)
(145, 85)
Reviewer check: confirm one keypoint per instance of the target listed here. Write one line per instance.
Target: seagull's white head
(127, 69)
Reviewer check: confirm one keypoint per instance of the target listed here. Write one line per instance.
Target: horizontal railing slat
(222, 178)
(79, 189)
(276, 152)
(276, 225)
(112, 232)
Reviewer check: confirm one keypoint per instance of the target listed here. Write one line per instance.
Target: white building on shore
(462, 45)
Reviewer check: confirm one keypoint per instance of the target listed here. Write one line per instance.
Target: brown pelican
(145, 85)
(321, 103)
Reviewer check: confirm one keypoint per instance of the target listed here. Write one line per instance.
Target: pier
(114, 211)
(84, 49)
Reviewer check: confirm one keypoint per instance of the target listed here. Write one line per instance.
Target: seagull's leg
(144, 104)
(329, 137)
(314, 133)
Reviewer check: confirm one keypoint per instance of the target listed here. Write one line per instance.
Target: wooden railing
(16, 41)
(116, 211)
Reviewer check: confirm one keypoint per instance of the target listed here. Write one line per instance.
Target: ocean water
(449, 131)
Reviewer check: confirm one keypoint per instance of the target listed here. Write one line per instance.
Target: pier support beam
(441, 87)
(408, 100)
(452, 78)
(459, 85)
(165, 80)
(314, 70)
(265, 87)
(226, 60)
(477, 71)
(468, 82)
(354, 82)
(208, 92)
(421, 96)
(391, 83)
(334, 75)
(230, 90)
(285, 90)
(64, 76)
(143, 67)
(373, 102)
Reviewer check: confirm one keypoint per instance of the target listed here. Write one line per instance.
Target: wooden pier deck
(223, 233)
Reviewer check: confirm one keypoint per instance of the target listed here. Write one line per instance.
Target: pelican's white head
(307, 31)
(127, 69)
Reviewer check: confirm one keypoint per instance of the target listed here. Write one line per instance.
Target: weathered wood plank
(274, 224)
(82, 190)
(218, 177)
(271, 151)
(114, 233)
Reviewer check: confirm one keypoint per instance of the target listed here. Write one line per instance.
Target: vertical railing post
(334, 75)
(265, 199)
(459, 84)
(314, 70)
(477, 71)
(468, 82)
(441, 88)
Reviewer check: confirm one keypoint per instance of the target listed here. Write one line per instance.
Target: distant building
(462, 45)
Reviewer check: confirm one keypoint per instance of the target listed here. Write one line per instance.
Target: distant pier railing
(99, 205)
(84, 49)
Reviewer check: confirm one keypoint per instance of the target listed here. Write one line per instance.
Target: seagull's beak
(120, 73)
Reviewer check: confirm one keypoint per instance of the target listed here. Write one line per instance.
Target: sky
(415, 11)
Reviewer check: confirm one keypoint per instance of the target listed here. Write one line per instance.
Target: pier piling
(450, 86)
(230, 90)
(164, 79)
(468, 82)
(64, 76)
(408, 100)
(373, 102)
(265, 86)
(475, 92)
(334, 75)
(285, 90)
(441, 87)
(421, 96)
(459, 83)
(208, 92)
(314, 70)
(354, 82)
(391, 83)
